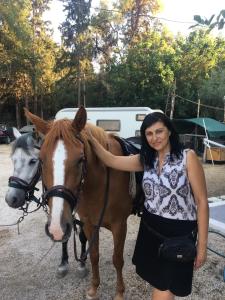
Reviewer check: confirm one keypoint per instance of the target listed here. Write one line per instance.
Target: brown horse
(75, 179)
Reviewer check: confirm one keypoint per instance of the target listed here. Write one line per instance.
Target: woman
(175, 204)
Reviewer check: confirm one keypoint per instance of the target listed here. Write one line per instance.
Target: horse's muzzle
(13, 200)
(67, 229)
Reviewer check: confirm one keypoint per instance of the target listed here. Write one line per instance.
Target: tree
(78, 52)
(199, 54)
(210, 23)
(28, 53)
(15, 42)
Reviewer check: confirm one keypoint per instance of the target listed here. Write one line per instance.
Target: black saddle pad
(131, 145)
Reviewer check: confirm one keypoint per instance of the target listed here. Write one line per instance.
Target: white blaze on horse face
(58, 161)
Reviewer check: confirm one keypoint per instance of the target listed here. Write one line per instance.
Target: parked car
(4, 134)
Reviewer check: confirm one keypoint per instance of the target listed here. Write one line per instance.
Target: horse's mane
(63, 129)
(60, 129)
(97, 132)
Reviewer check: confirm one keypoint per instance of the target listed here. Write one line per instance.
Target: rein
(83, 258)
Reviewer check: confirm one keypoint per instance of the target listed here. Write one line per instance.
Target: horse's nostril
(14, 199)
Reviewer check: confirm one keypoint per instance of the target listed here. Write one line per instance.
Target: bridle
(63, 192)
(27, 187)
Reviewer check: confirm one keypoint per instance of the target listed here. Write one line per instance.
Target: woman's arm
(124, 163)
(198, 184)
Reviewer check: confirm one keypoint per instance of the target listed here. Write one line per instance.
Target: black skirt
(163, 275)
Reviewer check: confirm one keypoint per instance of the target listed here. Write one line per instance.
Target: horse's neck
(95, 168)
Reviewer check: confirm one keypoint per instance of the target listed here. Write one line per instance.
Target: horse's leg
(119, 234)
(82, 266)
(63, 268)
(94, 258)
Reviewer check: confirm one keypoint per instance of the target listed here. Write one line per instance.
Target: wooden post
(198, 112)
(223, 109)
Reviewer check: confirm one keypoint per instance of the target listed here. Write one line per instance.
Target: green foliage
(210, 23)
(139, 60)
(27, 54)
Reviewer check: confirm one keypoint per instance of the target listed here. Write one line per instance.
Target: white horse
(26, 173)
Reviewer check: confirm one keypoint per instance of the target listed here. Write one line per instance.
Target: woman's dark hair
(147, 153)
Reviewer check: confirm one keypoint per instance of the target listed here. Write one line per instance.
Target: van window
(140, 117)
(109, 125)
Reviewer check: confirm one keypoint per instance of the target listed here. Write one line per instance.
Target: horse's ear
(16, 132)
(41, 125)
(80, 119)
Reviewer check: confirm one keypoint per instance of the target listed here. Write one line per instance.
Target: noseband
(28, 188)
(63, 192)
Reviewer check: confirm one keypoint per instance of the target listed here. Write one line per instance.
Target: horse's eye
(32, 161)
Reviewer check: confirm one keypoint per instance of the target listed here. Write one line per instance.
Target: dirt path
(24, 277)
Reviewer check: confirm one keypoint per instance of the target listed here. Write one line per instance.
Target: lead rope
(21, 218)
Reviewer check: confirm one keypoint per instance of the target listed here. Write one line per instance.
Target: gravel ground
(27, 273)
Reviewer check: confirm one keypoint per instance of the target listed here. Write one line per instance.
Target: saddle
(132, 146)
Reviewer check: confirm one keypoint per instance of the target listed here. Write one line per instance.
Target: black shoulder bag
(178, 248)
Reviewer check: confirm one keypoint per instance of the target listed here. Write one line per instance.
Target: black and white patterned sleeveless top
(169, 194)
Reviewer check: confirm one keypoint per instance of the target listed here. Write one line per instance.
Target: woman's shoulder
(192, 158)
(190, 153)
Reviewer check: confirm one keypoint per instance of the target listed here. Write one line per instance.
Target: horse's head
(63, 160)
(25, 158)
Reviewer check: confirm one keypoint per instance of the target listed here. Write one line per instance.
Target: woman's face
(157, 136)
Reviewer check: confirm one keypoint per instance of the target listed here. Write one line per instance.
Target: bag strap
(163, 237)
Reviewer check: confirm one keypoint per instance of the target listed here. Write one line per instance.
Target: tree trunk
(27, 106)
(18, 118)
(35, 100)
(41, 106)
(84, 92)
(78, 96)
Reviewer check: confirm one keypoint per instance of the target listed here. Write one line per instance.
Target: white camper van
(124, 121)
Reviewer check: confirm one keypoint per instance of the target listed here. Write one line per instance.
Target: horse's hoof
(62, 270)
(92, 295)
(82, 272)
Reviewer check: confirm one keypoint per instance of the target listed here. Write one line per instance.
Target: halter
(63, 192)
(28, 188)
